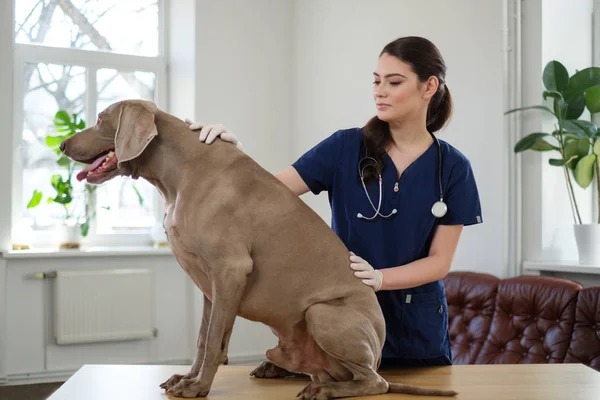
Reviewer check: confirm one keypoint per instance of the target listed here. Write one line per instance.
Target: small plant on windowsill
(73, 226)
(577, 142)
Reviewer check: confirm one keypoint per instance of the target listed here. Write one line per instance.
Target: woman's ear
(431, 87)
(135, 131)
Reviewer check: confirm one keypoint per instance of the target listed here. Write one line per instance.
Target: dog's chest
(191, 263)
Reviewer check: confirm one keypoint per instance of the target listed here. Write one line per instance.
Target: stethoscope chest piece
(439, 209)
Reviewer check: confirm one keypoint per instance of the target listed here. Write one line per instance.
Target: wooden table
(477, 382)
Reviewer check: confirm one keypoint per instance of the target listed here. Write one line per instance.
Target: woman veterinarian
(399, 198)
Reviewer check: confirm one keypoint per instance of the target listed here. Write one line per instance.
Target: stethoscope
(438, 209)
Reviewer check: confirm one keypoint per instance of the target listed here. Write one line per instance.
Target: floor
(40, 391)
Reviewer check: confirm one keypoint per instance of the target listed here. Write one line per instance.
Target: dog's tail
(417, 390)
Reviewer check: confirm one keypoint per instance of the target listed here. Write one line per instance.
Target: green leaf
(573, 107)
(529, 141)
(63, 198)
(543, 108)
(557, 162)
(581, 128)
(63, 161)
(541, 145)
(55, 180)
(592, 99)
(64, 189)
(575, 150)
(62, 118)
(50, 200)
(555, 77)
(85, 228)
(139, 195)
(597, 148)
(35, 199)
(554, 95)
(54, 141)
(582, 80)
(584, 172)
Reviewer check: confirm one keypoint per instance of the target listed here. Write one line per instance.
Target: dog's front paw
(314, 391)
(174, 380)
(189, 388)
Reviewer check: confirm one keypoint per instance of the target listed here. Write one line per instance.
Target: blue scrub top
(416, 318)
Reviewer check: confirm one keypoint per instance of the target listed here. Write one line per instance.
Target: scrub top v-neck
(416, 318)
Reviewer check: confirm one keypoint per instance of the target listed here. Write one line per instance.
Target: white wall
(3, 327)
(337, 43)
(243, 62)
(552, 30)
(6, 107)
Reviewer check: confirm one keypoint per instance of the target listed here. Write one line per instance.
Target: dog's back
(298, 260)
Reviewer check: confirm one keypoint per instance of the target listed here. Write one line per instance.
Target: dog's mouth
(98, 166)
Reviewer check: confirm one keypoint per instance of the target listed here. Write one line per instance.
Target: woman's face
(399, 95)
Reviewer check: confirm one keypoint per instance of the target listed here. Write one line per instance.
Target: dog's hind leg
(351, 343)
(268, 370)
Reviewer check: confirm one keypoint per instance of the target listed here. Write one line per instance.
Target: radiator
(103, 305)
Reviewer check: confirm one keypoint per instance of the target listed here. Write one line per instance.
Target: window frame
(596, 62)
(92, 61)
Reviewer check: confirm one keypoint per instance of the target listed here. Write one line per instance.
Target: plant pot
(159, 237)
(587, 237)
(69, 236)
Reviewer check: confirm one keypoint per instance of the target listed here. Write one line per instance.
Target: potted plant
(73, 227)
(577, 142)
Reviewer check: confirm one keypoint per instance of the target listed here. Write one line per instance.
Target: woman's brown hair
(426, 61)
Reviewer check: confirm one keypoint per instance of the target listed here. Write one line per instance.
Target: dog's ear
(135, 131)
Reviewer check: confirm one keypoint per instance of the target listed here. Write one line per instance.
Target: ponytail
(440, 109)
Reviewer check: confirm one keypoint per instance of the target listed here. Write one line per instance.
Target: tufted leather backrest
(471, 300)
(533, 321)
(526, 319)
(585, 343)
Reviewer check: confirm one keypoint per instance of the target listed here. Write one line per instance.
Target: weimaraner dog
(253, 248)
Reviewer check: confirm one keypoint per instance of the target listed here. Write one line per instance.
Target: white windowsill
(88, 252)
(561, 266)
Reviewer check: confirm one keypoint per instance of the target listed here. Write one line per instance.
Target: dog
(253, 248)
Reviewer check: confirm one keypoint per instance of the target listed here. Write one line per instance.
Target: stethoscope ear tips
(359, 215)
(394, 211)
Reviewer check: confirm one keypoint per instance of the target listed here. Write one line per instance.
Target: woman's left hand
(363, 270)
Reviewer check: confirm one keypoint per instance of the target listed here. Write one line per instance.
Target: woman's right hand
(208, 133)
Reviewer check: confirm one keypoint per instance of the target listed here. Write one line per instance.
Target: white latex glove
(363, 270)
(208, 133)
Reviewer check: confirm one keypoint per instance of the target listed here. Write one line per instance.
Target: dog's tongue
(83, 174)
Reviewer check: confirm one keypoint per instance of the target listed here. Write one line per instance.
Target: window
(596, 62)
(81, 56)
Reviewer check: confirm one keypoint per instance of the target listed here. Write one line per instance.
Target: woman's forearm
(292, 179)
(417, 273)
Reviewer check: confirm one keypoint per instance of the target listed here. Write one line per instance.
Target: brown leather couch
(526, 319)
